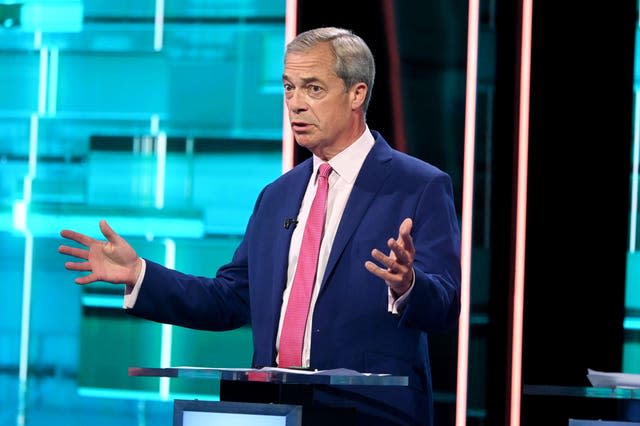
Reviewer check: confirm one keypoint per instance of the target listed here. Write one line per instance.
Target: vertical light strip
(25, 323)
(290, 30)
(154, 124)
(21, 207)
(634, 175)
(467, 212)
(20, 215)
(42, 84)
(52, 80)
(33, 157)
(158, 27)
(397, 110)
(25, 326)
(167, 330)
(521, 214)
(161, 168)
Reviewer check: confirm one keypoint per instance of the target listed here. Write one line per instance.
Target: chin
(304, 142)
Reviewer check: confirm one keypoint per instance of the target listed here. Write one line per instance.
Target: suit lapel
(374, 172)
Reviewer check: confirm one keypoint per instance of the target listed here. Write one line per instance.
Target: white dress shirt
(346, 166)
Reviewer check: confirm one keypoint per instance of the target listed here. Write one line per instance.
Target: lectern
(561, 404)
(286, 387)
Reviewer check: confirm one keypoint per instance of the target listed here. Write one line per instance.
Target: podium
(566, 403)
(285, 387)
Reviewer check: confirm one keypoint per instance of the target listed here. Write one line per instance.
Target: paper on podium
(601, 379)
(333, 372)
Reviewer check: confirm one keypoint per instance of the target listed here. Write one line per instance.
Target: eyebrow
(304, 80)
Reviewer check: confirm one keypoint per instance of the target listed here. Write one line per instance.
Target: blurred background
(166, 118)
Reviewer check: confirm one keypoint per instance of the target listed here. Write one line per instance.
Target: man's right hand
(113, 261)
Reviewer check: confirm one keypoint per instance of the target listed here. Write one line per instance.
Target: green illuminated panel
(111, 342)
(208, 349)
(631, 354)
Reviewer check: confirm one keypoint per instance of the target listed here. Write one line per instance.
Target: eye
(288, 87)
(315, 91)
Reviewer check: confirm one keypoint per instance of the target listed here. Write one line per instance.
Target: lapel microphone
(291, 221)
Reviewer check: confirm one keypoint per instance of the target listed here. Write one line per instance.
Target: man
(370, 316)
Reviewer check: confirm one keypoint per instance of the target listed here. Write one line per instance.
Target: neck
(348, 139)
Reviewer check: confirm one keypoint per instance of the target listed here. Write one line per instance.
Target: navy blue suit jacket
(352, 327)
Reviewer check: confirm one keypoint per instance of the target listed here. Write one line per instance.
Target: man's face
(321, 109)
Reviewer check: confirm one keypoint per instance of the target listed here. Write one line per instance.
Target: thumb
(108, 233)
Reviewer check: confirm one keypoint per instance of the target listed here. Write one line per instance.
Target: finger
(78, 266)
(374, 269)
(86, 279)
(77, 237)
(387, 261)
(74, 251)
(405, 227)
(382, 273)
(399, 252)
(391, 263)
(393, 281)
(405, 234)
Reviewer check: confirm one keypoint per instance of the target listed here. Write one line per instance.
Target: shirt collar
(348, 162)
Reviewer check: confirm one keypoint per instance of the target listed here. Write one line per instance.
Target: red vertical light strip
(394, 75)
(521, 215)
(290, 31)
(467, 212)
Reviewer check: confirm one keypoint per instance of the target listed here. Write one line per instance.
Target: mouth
(299, 126)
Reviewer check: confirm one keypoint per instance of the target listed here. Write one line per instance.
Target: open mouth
(297, 126)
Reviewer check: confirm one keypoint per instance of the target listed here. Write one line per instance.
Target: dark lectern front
(281, 386)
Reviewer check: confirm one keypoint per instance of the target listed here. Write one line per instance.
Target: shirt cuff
(131, 291)
(395, 305)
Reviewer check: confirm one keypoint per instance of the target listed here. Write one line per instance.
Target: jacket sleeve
(434, 302)
(216, 304)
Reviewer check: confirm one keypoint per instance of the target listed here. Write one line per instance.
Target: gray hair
(354, 61)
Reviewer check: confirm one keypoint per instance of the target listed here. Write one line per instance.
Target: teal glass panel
(111, 85)
(167, 123)
(632, 295)
(19, 75)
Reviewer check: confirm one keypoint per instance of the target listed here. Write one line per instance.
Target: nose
(296, 102)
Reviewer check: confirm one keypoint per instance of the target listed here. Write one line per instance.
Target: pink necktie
(295, 318)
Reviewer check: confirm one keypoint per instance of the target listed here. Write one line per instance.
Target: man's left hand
(398, 274)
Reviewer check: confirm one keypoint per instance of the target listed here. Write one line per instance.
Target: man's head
(353, 60)
(327, 80)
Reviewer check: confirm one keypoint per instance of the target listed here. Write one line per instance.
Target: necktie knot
(325, 170)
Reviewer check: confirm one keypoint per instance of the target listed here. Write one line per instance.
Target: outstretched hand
(113, 261)
(397, 271)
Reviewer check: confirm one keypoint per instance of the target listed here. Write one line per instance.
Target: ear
(358, 94)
